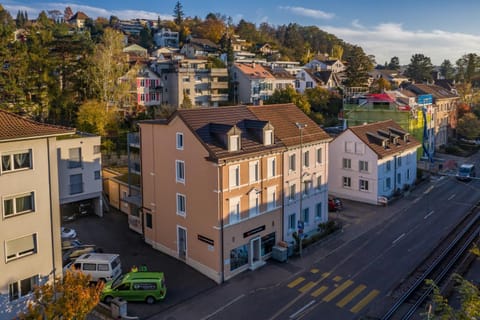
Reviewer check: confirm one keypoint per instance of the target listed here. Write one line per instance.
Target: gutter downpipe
(220, 211)
(51, 211)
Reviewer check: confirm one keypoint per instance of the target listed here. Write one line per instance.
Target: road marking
(369, 297)
(293, 316)
(351, 295)
(314, 270)
(399, 237)
(428, 215)
(296, 282)
(337, 291)
(223, 307)
(319, 291)
(307, 287)
(416, 200)
(451, 197)
(337, 279)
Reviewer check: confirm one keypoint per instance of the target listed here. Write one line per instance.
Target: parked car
(100, 266)
(73, 253)
(68, 233)
(334, 204)
(466, 172)
(136, 286)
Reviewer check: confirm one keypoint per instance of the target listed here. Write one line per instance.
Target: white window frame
(11, 161)
(346, 163)
(349, 146)
(17, 287)
(180, 171)
(268, 137)
(319, 183)
(13, 198)
(292, 162)
(254, 171)
(363, 166)
(234, 142)
(363, 185)
(347, 182)
(271, 198)
(359, 148)
(292, 218)
(306, 159)
(179, 141)
(318, 211)
(254, 201)
(388, 166)
(181, 201)
(10, 257)
(306, 216)
(73, 162)
(234, 212)
(271, 167)
(292, 192)
(388, 184)
(234, 176)
(319, 156)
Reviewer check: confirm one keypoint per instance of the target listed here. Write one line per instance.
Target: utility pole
(300, 226)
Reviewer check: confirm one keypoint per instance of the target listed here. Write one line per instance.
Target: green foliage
(447, 69)
(420, 68)
(394, 64)
(468, 126)
(358, 66)
(290, 95)
(178, 14)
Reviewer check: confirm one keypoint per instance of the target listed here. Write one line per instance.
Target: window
(254, 171)
(306, 215)
(363, 185)
(21, 247)
(74, 158)
(18, 204)
(349, 146)
(399, 162)
(180, 171)
(148, 220)
(292, 162)
(76, 183)
(319, 155)
(293, 191)
(22, 288)
(388, 184)
(347, 182)
(268, 139)
(234, 143)
(97, 175)
(271, 167)
(234, 176)
(234, 215)
(363, 166)
(388, 166)
(306, 188)
(254, 203)
(399, 178)
(347, 163)
(181, 204)
(17, 161)
(97, 149)
(271, 198)
(309, 84)
(292, 219)
(306, 159)
(318, 211)
(359, 148)
(319, 183)
(179, 139)
(408, 174)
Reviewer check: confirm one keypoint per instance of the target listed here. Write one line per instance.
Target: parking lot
(112, 235)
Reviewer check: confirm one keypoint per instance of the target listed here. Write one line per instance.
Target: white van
(100, 266)
(466, 172)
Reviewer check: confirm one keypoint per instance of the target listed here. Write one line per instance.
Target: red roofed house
(253, 84)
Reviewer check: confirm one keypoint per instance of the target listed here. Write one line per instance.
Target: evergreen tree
(447, 70)
(358, 66)
(178, 14)
(394, 64)
(420, 68)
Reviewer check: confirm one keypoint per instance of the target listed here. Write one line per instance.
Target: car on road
(136, 286)
(68, 233)
(466, 172)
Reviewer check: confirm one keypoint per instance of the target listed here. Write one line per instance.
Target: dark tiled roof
(436, 91)
(201, 120)
(14, 127)
(372, 135)
(284, 117)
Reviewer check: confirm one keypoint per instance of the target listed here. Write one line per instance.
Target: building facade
(253, 84)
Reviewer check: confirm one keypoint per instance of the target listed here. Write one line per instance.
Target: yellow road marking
(351, 295)
(296, 282)
(337, 279)
(319, 291)
(307, 287)
(359, 306)
(338, 290)
(314, 270)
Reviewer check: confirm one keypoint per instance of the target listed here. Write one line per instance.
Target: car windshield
(117, 281)
(464, 170)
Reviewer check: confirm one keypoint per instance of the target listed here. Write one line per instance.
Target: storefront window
(267, 243)
(238, 257)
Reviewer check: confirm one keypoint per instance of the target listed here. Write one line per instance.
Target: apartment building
(253, 84)
(305, 167)
(212, 188)
(30, 224)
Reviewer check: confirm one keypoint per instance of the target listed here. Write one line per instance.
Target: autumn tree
(420, 68)
(337, 52)
(93, 117)
(290, 95)
(462, 109)
(212, 28)
(380, 85)
(69, 298)
(468, 126)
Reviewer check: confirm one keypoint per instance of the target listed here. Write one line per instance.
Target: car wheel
(108, 299)
(150, 300)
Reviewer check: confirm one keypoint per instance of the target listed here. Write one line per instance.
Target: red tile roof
(284, 117)
(371, 135)
(254, 71)
(14, 127)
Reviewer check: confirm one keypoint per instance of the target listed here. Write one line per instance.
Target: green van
(136, 286)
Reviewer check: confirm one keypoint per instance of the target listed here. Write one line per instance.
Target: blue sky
(439, 29)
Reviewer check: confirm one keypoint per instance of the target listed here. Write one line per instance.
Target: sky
(439, 29)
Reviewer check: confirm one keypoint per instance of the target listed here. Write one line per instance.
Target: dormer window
(268, 137)
(234, 142)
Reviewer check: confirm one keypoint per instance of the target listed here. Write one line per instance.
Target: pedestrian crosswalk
(344, 293)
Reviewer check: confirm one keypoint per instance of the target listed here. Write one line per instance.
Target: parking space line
(337, 279)
(319, 291)
(307, 287)
(296, 282)
(342, 303)
(369, 297)
(337, 291)
(314, 270)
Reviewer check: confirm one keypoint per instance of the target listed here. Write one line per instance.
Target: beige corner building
(30, 251)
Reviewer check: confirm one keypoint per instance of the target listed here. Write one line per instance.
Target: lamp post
(300, 127)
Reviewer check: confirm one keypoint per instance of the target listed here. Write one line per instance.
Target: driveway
(111, 233)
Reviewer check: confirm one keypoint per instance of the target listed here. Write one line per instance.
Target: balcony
(218, 85)
(219, 72)
(219, 97)
(133, 139)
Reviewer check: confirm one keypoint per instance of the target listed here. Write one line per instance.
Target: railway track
(441, 263)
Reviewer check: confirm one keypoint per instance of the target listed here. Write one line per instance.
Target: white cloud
(311, 13)
(387, 40)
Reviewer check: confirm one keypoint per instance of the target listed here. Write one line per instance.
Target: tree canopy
(420, 68)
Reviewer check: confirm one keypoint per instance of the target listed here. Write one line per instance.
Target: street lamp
(300, 127)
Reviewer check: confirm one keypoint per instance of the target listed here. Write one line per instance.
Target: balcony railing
(133, 139)
(219, 97)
